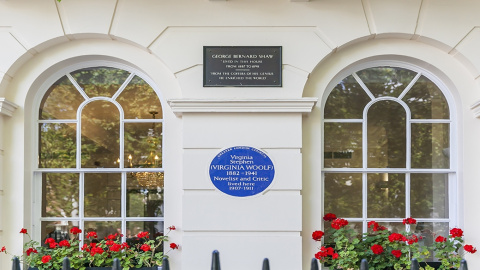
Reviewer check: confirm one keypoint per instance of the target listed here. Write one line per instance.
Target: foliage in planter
(383, 249)
(144, 253)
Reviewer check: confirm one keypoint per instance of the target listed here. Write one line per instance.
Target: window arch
(100, 155)
(387, 141)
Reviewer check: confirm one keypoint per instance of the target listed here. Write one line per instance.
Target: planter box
(108, 268)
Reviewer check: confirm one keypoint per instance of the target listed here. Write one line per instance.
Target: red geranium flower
(112, 236)
(145, 247)
(75, 230)
(92, 234)
(125, 245)
(469, 248)
(409, 221)
(397, 253)
(46, 258)
(329, 217)
(115, 247)
(440, 239)
(64, 243)
(317, 235)
(30, 251)
(377, 249)
(53, 245)
(173, 246)
(172, 228)
(23, 230)
(413, 239)
(395, 237)
(49, 240)
(3, 250)
(142, 235)
(456, 232)
(339, 223)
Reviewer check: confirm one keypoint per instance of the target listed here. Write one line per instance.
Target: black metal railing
(216, 264)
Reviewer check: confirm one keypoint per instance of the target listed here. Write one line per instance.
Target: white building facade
(51, 53)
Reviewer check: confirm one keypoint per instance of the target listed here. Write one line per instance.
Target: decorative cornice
(301, 105)
(6, 107)
(476, 109)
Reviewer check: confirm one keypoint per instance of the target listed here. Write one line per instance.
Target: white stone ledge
(6, 107)
(301, 105)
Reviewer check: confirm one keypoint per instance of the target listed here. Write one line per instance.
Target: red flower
(317, 235)
(30, 251)
(377, 249)
(142, 235)
(75, 230)
(23, 230)
(64, 243)
(115, 247)
(49, 240)
(374, 225)
(469, 248)
(96, 250)
(172, 228)
(145, 247)
(173, 246)
(413, 239)
(46, 258)
(329, 217)
(85, 248)
(397, 253)
(409, 221)
(3, 250)
(440, 239)
(335, 256)
(396, 237)
(53, 245)
(125, 245)
(456, 232)
(112, 236)
(92, 234)
(339, 223)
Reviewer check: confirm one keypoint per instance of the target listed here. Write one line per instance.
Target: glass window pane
(429, 195)
(386, 81)
(102, 195)
(386, 195)
(346, 101)
(61, 101)
(100, 81)
(428, 232)
(394, 227)
(60, 195)
(430, 145)
(143, 145)
(145, 199)
(426, 101)
(343, 194)
(57, 147)
(102, 228)
(155, 228)
(343, 145)
(58, 230)
(138, 99)
(386, 135)
(100, 135)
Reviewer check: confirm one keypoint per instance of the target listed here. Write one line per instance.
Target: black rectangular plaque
(242, 66)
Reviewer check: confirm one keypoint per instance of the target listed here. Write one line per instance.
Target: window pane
(138, 99)
(60, 195)
(343, 194)
(386, 135)
(346, 101)
(155, 228)
(343, 145)
(428, 232)
(102, 195)
(100, 81)
(100, 135)
(145, 200)
(58, 230)
(386, 195)
(426, 101)
(386, 81)
(430, 145)
(61, 101)
(57, 147)
(429, 195)
(143, 145)
(102, 228)
(394, 227)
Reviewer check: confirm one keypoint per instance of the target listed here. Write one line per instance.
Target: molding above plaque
(6, 107)
(242, 66)
(300, 105)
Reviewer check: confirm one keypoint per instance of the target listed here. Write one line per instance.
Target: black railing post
(116, 264)
(266, 264)
(364, 264)
(165, 264)
(415, 265)
(16, 263)
(314, 264)
(215, 260)
(66, 264)
(463, 265)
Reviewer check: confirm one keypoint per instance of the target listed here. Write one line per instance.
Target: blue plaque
(241, 171)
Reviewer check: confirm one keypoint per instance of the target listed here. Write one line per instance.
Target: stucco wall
(164, 39)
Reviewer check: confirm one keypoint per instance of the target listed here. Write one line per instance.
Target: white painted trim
(475, 107)
(301, 105)
(7, 107)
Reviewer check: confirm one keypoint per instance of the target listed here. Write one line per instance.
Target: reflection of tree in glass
(100, 81)
(61, 101)
(57, 145)
(138, 99)
(346, 101)
(386, 81)
(60, 195)
(343, 194)
(386, 195)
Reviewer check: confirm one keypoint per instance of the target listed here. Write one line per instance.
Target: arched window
(100, 155)
(387, 147)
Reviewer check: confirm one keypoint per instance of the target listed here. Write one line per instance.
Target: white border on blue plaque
(241, 171)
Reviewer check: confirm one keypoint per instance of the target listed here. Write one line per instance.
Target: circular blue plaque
(241, 171)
